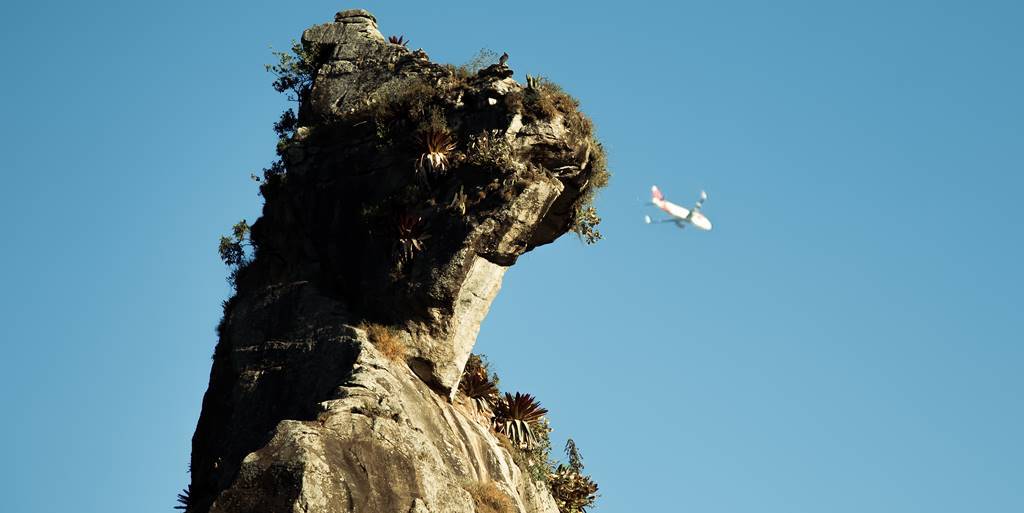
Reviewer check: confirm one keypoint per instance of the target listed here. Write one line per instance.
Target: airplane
(681, 216)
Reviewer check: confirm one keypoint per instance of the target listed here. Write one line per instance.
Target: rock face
(405, 190)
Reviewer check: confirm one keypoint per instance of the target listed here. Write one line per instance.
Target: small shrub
(545, 100)
(296, 70)
(484, 58)
(408, 98)
(489, 499)
(573, 491)
(492, 150)
(585, 221)
(386, 340)
(286, 125)
(585, 218)
(516, 416)
(233, 249)
(398, 40)
(537, 459)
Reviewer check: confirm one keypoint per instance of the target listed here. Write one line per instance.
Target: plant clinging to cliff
(483, 58)
(398, 40)
(573, 491)
(438, 144)
(185, 499)
(544, 100)
(410, 236)
(459, 201)
(585, 224)
(232, 249)
(515, 416)
(487, 498)
(296, 70)
(478, 386)
(386, 340)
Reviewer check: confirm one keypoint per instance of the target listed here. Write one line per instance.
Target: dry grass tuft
(387, 341)
(489, 499)
(505, 442)
(545, 100)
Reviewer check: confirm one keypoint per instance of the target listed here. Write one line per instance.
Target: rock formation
(404, 191)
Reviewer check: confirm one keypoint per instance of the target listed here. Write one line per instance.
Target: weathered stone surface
(380, 441)
(355, 16)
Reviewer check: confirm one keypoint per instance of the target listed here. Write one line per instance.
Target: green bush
(236, 249)
(572, 490)
(296, 69)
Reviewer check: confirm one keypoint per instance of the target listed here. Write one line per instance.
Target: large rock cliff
(405, 190)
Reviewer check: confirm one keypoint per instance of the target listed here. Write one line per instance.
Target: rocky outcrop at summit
(405, 190)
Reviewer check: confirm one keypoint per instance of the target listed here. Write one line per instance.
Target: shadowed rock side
(366, 223)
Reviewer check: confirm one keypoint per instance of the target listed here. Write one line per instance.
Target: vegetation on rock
(488, 498)
(438, 145)
(478, 384)
(232, 249)
(296, 69)
(573, 491)
(410, 236)
(516, 416)
(386, 340)
(185, 499)
(546, 100)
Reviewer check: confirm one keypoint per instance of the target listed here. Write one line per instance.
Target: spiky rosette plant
(515, 416)
(573, 491)
(410, 236)
(477, 385)
(185, 499)
(398, 40)
(438, 145)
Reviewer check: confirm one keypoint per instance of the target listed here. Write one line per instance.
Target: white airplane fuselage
(679, 213)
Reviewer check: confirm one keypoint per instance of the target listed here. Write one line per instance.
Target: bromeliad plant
(410, 236)
(185, 499)
(438, 144)
(516, 417)
(477, 384)
(398, 40)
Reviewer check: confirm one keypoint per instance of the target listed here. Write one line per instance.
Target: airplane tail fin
(656, 194)
(700, 202)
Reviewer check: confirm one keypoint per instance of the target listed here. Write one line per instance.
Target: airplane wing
(678, 222)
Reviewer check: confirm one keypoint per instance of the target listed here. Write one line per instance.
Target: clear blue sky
(848, 339)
